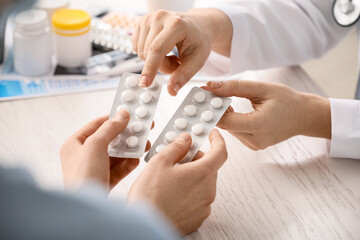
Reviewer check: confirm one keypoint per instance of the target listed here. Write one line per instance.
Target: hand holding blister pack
(141, 104)
(198, 114)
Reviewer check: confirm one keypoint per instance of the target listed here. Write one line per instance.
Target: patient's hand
(280, 113)
(84, 156)
(185, 192)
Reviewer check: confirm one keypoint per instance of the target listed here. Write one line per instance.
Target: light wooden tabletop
(288, 191)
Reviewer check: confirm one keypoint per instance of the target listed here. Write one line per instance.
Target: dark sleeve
(27, 212)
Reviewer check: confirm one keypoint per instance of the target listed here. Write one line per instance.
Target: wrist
(218, 25)
(315, 115)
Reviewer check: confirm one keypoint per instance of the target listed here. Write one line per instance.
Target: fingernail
(123, 114)
(177, 87)
(184, 137)
(143, 81)
(214, 85)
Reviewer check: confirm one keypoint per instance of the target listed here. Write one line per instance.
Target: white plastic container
(51, 6)
(32, 44)
(73, 41)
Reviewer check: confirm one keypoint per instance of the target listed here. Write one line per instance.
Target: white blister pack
(141, 104)
(197, 115)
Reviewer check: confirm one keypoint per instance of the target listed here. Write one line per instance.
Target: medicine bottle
(51, 6)
(73, 42)
(32, 43)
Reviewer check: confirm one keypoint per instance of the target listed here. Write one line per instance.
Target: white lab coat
(269, 33)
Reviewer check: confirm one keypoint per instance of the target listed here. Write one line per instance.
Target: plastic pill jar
(32, 43)
(73, 43)
(51, 6)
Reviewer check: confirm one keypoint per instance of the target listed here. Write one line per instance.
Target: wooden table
(288, 191)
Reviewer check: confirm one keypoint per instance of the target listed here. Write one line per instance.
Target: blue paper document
(17, 87)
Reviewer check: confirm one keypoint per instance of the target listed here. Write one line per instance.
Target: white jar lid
(52, 4)
(31, 20)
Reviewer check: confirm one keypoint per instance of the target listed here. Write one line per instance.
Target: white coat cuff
(345, 128)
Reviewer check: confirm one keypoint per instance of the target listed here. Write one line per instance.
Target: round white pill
(199, 97)
(132, 142)
(137, 127)
(146, 97)
(216, 103)
(198, 129)
(207, 116)
(123, 107)
(170, 136)
(132, 81)
(115, 142)
(141, 112)
(190, 110)
(160, 148)
(181, 123)
(127, 95)
(153, 85)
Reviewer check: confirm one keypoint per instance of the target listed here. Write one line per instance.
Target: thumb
(217, 154)
(190, 65)
(175, 152)
(110, 129)
(238, 88)
(238, 122)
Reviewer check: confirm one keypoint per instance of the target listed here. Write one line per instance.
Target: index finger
(164, 42)
(238, 88)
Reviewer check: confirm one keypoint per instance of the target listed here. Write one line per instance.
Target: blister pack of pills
(198, 114)
(141, 104)
(114, 31)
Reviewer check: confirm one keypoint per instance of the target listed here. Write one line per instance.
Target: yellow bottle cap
(70, 19)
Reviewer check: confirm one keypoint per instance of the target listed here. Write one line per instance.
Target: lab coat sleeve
(270, 33)
(345, 128)
(27, 212)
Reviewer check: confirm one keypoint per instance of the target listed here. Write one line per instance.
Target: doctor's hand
(84, 156)
(183, 193)
(194, 33)
(279, 113)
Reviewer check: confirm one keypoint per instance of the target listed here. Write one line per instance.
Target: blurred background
(336, 72)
